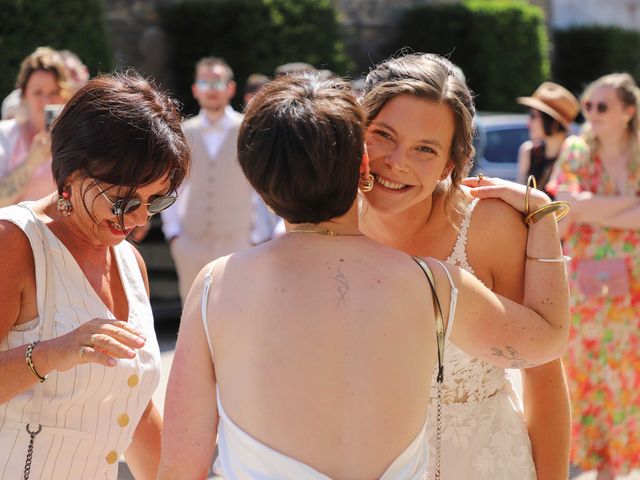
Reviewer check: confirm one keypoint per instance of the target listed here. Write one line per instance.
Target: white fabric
(242, 457)
(13, 152)
(82, 406)
(484, 436)
(9, 134)
(263, 221)
(453, 302)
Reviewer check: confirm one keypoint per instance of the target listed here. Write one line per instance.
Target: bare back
(324, 346)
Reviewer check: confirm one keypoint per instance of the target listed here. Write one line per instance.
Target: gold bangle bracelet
(29, 361)
(531, 183)
(561, 210)
(563, 259)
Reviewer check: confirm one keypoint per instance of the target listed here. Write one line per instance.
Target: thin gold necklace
(325, 231)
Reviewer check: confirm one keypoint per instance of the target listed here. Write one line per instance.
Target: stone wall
(622, 13)
(370, 24)
(138, 41)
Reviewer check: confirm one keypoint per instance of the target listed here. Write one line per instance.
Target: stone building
(138, 40)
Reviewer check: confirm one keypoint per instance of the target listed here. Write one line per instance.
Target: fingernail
(140, 341)
(131, 353)
(112, 362)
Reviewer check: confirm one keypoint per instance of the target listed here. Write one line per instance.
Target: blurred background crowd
(553, 79)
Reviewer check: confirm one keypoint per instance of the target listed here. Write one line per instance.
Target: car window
(502, 145)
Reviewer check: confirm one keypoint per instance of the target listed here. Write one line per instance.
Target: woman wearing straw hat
(552, 108)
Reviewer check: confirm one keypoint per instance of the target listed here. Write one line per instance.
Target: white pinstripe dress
(89, 413)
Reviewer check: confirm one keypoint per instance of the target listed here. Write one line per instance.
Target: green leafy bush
(76, 25)
(253, 36)
(501, 45)
(583, 54)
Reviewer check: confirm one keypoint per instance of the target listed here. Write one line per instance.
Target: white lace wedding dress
(484, 436)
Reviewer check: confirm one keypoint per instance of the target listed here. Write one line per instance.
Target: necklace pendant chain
(324, 231)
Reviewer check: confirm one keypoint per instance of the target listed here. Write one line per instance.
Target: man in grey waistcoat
(212, 216)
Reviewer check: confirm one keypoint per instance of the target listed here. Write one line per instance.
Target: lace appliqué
(484, 436)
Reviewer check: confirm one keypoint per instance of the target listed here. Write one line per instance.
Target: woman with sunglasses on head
(599, 175)
(78, 355)
(419, 138)
(552, 108)
(309, 356)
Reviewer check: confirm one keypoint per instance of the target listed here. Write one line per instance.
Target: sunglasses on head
(207, 85)
(122, 206)
(601, 107)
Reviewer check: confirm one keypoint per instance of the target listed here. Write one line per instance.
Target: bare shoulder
(16, 247)
(525, 147)
(18, 273)
(495, 223)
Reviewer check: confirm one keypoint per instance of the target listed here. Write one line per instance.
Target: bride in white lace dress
(419, 140)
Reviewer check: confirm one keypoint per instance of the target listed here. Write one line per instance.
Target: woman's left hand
(510, 192)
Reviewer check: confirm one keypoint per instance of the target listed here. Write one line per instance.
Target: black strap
(437, 310)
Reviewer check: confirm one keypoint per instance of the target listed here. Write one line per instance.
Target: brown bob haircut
(434, 78)
(301, 144)
(121, 130)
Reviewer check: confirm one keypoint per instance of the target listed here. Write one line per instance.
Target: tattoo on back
(343, 286)
(511, 354)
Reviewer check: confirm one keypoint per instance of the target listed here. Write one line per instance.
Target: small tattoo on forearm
(510, 354)
(343, 286)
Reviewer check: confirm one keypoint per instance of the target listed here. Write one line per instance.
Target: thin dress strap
(454, 300)
(208, 279)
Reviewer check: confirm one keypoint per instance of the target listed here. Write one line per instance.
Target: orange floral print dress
(603, 357)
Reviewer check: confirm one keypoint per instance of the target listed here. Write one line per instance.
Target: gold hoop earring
(366, 182)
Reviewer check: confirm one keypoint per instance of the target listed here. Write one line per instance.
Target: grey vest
(218, 207)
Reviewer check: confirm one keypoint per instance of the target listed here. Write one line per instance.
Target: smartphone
(51, 112)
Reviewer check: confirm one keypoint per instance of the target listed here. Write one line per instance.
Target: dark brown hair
(120, 129)
(437, 79)
(301, 144)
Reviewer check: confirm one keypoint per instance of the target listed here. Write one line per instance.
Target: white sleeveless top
(484, 436)
(242, 457)
(89, 413)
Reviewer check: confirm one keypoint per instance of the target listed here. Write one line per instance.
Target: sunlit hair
(43, 59)
(628, 93)
(121, 130)
(435, 78)
(301, 144)
(211, 62)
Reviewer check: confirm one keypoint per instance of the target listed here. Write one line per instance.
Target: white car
(497, 138)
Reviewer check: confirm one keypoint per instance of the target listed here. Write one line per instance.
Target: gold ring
(480, 177)
(91, 341)
(81, 351)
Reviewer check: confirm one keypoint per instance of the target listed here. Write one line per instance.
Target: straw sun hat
(554, 100)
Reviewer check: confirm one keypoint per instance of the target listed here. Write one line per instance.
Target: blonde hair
(43, 59)
(629, 94)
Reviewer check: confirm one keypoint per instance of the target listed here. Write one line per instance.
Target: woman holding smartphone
(25, 159)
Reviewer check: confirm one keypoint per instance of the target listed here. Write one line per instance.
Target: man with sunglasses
(212, 216)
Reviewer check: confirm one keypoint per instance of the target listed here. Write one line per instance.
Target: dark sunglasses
(122, 206)
(601, 107)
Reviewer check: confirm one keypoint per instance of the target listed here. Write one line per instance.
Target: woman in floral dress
(599, 175)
